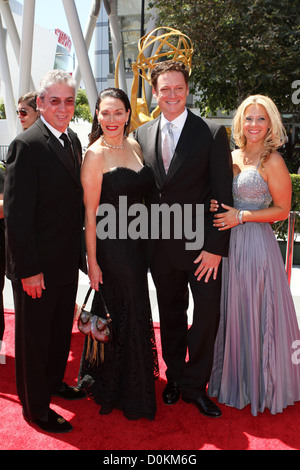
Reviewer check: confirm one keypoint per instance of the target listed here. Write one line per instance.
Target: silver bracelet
(241, 213)
(237, 216)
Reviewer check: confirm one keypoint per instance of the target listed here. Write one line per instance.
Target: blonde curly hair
(276, 135)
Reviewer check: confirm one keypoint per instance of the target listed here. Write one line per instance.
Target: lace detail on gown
(125, 379)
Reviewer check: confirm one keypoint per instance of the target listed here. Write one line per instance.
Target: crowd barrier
(290, 244)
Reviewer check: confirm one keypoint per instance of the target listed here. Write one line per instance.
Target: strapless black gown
(125, 378)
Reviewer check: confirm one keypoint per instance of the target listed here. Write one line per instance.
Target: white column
(88, 34)
(81, 52)
(26, 47)
(111, 8)
(13, 33)
(10, 107)
(101, 50)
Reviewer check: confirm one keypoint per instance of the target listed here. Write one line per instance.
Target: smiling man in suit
(43, 217)
(191, 161)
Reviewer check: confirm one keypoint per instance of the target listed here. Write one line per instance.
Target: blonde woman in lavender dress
(254, 361)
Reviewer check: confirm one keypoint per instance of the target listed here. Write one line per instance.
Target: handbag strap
(103, 301)
(104, 305)
(86, 297)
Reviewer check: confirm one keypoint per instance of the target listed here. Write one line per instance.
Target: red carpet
(176, 428)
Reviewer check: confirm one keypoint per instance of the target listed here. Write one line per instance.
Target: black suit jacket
(201, 169)
(43, 208)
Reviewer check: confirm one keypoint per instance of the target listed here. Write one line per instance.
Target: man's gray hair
(52, 78)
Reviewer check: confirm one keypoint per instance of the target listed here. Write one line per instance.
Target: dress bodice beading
(250, 191)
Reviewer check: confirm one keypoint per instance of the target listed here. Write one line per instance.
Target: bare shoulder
(135, 146)
(133, 143)
(276, 170)
(94, 158)
(275, 162)
(94, 153)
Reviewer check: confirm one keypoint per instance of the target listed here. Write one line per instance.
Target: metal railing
(3, 152)
(290, 245)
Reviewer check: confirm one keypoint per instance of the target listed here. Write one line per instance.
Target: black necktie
(68, 148)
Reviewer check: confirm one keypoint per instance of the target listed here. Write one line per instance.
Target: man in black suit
(200, 169)
(43, 217)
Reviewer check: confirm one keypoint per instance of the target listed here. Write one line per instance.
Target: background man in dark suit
(28, 114)
(43, 217)
(200, 168)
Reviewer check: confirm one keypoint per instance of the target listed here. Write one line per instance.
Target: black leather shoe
(171, 393)
(52, 423)
(206, 406)
(69, 393)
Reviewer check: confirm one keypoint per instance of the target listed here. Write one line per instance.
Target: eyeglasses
(58, 101)
(22, 112)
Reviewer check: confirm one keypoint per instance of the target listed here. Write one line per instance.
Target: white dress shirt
(54, 131)
(178, 124)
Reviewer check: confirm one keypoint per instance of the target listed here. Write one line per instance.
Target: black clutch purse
(90, 324)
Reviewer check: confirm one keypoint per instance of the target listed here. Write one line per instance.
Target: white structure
(28, 51)
(13, 64)
(101, 50)
(20, 71)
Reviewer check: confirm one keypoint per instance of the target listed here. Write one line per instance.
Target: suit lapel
(152, 157)
(58, 150)
(76, 150)
(153, 154)
(183, 147)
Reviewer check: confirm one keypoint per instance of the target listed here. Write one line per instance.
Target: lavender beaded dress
(258, 332)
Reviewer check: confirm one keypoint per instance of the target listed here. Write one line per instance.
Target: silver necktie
(168, 146)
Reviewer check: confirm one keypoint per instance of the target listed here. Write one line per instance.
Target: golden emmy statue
(169, 44)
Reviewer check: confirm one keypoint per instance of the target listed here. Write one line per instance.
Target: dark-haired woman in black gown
(112, 168)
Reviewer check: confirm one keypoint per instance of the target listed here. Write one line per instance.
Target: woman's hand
(95, 276)
(226, 220)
